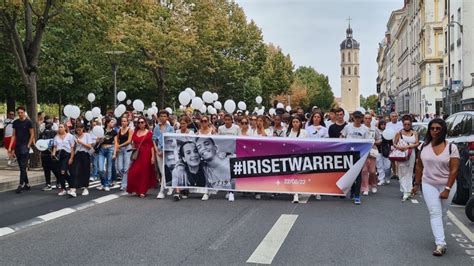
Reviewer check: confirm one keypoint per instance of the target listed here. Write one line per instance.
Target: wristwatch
(447, 188)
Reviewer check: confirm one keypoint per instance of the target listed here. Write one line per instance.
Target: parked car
(421, 128)
(461, 133)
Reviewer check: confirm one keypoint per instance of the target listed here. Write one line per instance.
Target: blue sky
(312, 30)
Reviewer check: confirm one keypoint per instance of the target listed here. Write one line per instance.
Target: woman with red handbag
(406, 140)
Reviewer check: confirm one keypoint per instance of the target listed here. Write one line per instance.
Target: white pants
(383, 165)
(159, 160)
(405, 174)
(438, 209)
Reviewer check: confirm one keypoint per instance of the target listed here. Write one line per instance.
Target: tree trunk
(10, 101)
(32, 109)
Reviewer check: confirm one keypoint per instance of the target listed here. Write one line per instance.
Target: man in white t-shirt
(356, 131)
(229, 128)
(394, 124)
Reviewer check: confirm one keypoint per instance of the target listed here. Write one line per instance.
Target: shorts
(7, 141)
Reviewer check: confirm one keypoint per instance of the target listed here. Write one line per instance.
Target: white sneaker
(205, 197)
(406, 196)
(62, 193)
(365, 193)
(107, 189)
(258, 196)
(380, 183)
(85, 192)
(387, 182)
(100, 188)
(318, 197)
(231, 197)
(374, 190)
(296, 198)
(161, 195)
(72, 193)
(170, 192)
(227, 195)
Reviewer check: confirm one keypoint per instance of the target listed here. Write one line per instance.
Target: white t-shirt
(232, 131)
(436, 167)
(396, 127)
(268, 133)
(87, 139)
(317, 132)
(303, 134)
(374, 133)
(64, 144)
(8, 127)
(352, 132)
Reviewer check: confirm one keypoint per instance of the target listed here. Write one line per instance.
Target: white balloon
(361, 109)
(120, 110)
(153, 104)
(154, 110)
(213, 111)
(215, 96)
(191, 93)
(260, 112)
(203, 109)
(207, 97)
(280, 105)
(89, 116)
(209, 109)
(272, 111)
(388, 134)
(170, 111)
(288, 108)
(255, 109)
(182, 107)
(138, 105)
(129, 102)
(258, 99)
(42, 144)
(229, 106)
(218, 105)
(242, 106)
(246, 112)
(66, 110)
(197, 103)
(98, 131)
(74, 111)
(346, 116)
(121, 95)
(184, 98)
(96, 111)
(91, 97)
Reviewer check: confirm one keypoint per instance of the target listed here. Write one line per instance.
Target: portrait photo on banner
(202, 162)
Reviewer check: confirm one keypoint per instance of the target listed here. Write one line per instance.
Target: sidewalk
(9, 176)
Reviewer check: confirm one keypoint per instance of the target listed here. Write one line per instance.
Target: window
(459, 15)
(456, 125)
(343, 57)
(441, 74)
(459, 69)
(343, 71)
(355, 57)
(349, 71)
(349, 57)
(355, 71)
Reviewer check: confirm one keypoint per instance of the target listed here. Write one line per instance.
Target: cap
(357, 114)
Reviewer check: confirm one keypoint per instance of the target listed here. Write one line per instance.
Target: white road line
(105, 198)
(415, 201)
(56, 214)
(461, 226)
(268, 248)
(6, 231)
(303, 198)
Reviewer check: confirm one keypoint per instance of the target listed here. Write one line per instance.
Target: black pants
(355, 189)
(64, 169)
(22, 159)
(81, 169)
(49, 166)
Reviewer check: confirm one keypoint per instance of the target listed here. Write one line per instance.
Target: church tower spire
(350, 71)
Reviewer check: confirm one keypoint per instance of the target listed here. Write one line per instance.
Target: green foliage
(319, 92)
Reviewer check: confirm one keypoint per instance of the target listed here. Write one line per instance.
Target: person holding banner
(184, 121)
(335, 129)
(261, 128)
(229, 129)
(406, 140)
(204, 127)
(355, 131)
(369, 173)
(316, 129)
(295, 130)
(162, 127)
(142, 174)
(278, 128)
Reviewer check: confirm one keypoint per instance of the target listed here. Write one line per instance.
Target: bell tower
(350, 72)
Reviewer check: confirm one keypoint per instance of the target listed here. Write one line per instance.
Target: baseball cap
(357, 114)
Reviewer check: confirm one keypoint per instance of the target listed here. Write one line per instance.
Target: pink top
(436, 167)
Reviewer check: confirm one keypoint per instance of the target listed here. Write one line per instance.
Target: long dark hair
(310, 122)
(444, 131)
(290, 126)
(381, 123)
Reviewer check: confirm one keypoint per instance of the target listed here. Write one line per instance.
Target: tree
(371, 102)
(319, 92)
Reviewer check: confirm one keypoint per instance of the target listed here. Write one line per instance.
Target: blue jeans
(105, 176)
(123, 162)
(95, 166)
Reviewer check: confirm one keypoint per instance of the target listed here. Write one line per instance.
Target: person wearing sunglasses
(406, 140)
(436, 170)
(244, 127)
(142, 174)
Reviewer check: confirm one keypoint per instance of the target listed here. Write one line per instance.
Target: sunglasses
(435, 128)
(205, 121)
(244, 123)
(141, 122)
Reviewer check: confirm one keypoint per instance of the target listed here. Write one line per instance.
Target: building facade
(350, 94)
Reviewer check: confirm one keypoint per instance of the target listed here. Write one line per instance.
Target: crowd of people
(132, 150)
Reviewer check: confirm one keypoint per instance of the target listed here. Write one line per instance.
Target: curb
(11, 185)
(57, 214)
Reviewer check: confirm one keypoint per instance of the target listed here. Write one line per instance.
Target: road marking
(415, 201)
(56, 214)
(303, 198)
(6, 231)
(461, 226)
(105, 198)
(268, 248)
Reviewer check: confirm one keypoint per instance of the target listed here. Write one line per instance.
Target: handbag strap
(141, 142)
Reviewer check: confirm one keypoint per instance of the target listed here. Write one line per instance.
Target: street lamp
(113, 59)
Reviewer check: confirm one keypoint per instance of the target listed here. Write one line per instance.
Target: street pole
(113, 59)
(114, 69)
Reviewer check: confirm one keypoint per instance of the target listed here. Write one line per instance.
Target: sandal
(439, 251)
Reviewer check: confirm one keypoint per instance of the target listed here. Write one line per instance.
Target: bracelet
(447, 188)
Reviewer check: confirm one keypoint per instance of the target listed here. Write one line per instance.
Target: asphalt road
(129, 230)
